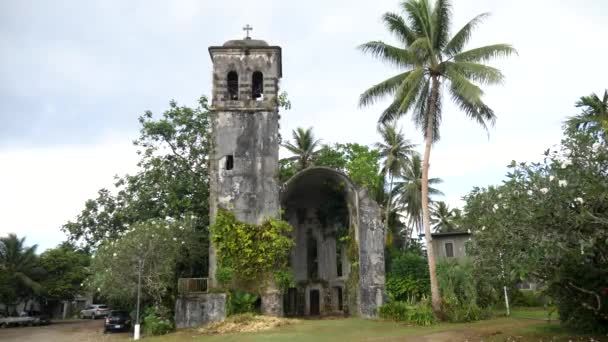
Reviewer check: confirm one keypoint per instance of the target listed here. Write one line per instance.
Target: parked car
(117, 320)
(95, 310)
(25, 318)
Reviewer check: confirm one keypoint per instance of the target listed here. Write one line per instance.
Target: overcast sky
(75, 75)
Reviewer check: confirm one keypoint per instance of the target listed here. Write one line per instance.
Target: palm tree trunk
(426, 219)
(390, 197)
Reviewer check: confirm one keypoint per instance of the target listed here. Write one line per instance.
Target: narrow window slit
(229, 162)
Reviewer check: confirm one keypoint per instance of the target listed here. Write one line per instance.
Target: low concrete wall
(200, 309)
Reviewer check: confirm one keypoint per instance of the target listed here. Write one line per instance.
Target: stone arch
(299, 196)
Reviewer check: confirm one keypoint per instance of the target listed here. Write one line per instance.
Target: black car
(117, 320)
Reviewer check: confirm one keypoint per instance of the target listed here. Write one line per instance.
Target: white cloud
(42, 188)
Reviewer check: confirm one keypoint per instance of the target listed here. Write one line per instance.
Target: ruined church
(331, 277)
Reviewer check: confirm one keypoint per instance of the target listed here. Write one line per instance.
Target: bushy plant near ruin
(458, 285)
(407, 277)
(157, 322)
(417, 313)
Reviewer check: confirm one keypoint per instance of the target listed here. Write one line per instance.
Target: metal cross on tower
(247, 28)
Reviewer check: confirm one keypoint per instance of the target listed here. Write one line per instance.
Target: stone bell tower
(243, 165)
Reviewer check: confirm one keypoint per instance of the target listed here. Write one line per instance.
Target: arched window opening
(257, 86)
(233, 85)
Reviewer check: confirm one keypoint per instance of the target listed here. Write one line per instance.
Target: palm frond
(441, 17)
(472, 106)
(485, 53)
(419, 15)
(476, 72)
(461, 38)
(397, 26)
(384, 88)
(411, 87)
(388, 53)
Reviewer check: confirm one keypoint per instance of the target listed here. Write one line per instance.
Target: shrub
(528, 298)
(396, 311)
(419, 313)
(240, 302)
(459, 291)
(580, 310)
(408, 277)
(156, 323)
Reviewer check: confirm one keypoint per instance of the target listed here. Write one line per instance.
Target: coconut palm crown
(396, 151)
(304, 146)
(594, 115)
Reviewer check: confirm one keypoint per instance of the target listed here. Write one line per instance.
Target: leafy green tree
(443, 218)
(408, 192)
(21, 274)
(304, 146)
(66, 270)
(359, 162)
(549, 222)
(156, 246)
(431, 62)
(396, 152)
(172, 182)
(594, 115)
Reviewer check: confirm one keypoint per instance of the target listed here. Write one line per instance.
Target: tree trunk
(390, 197)
(426, 219)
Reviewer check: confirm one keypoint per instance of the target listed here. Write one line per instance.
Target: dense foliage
(407, 277)
(55, 275)
(172, 182)
(66, 268)
(20, 271)
(154, 247)
(417, 313)
(460, 288)
(361, 163)
(240, 302)
(156, 322)
(549, 222)
(252, 253)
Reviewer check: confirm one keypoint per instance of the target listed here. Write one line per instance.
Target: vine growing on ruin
(251, 254)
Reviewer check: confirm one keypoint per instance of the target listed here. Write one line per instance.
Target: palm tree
(408, 192)
(304, 146)
(443, 218)
(396, 151)
(20, 264)
(431, 62)
(594, 116)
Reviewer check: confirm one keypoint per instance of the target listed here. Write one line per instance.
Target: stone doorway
(315, 305)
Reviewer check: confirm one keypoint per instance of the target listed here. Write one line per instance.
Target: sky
(75, 76)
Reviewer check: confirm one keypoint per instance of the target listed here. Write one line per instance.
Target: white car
(95, 310)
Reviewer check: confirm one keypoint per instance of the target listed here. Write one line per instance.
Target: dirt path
(61, 331)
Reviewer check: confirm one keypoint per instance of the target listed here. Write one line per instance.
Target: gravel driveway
(62, 331)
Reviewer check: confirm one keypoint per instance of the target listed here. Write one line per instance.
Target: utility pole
(504, 284)
(137, 326)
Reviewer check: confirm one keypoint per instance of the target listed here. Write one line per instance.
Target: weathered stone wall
(363, 289)
(371, 257)
(200, 309)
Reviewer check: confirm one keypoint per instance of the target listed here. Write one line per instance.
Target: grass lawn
(530, 312)
(353, 329)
